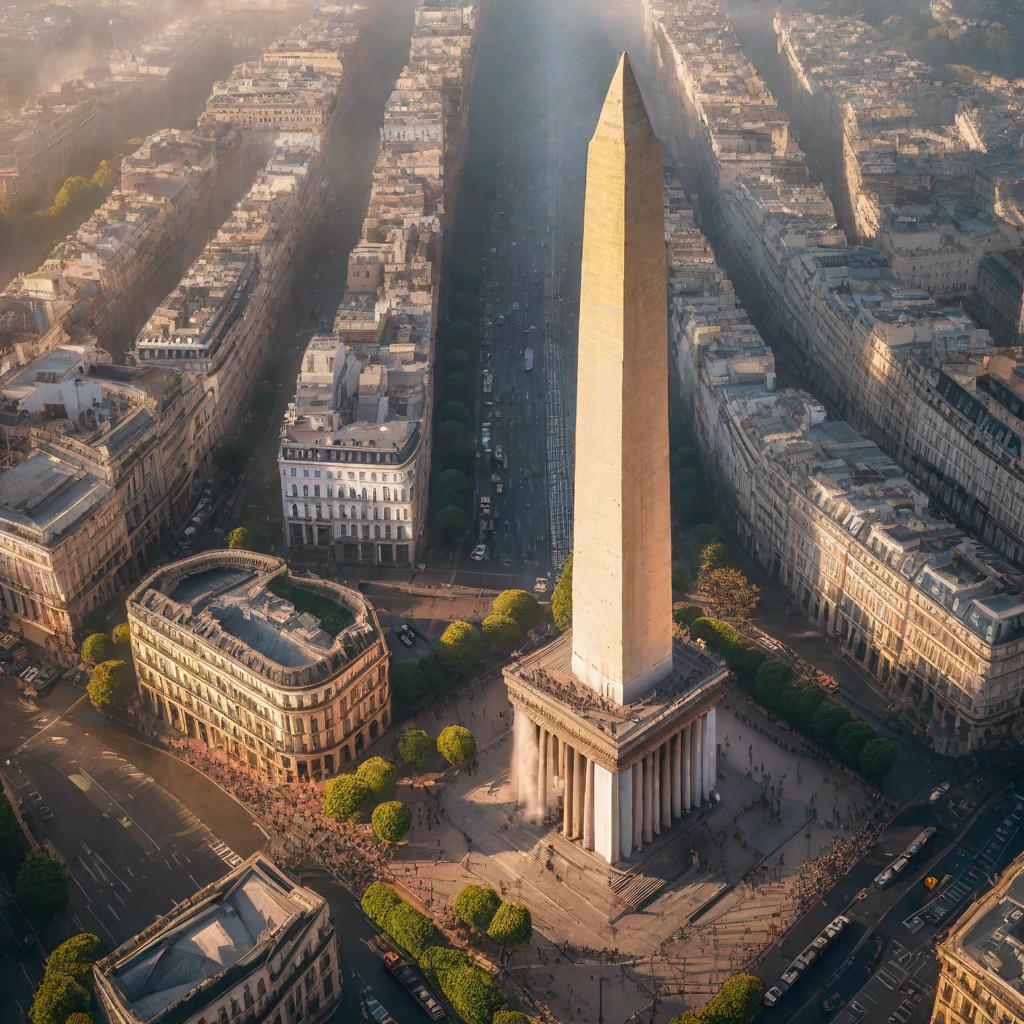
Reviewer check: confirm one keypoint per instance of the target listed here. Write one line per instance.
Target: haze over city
(512, 511)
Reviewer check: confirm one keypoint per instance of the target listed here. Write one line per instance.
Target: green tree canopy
(390, 821)
(876, 759)
(97, 647)
(122, 634)
(474, 994)
(449, 523)
(449, 431)
(520, 606)
(415, 748)
(738, 1001)
(110, 686)
(84, 1018)
(344, 796)
(511, 926)
(56, 999)
(712, 556)
(231, 455)
(378, 901)
(456, 385)
(850, 740)
(512, 1017)
(41, 888)
(453, 409)
(728, 592)
(828, 719)
(687, 614)
(74, 957)
(239, 538)
(378, 775)
(11, 852)
(413, 931)
(561, 598)
(698, 537)
(501, 632)
(476, 905)
(456, 745)
(460, 647)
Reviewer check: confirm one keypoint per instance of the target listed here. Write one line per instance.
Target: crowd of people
(301, 835)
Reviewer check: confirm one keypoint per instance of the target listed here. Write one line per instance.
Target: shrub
(344, 796)
(460, 647)
(378, 775)
(511, 926)
(876, 759)
(56, 999)
(415, 748)
(520, 606)
(41, 888)
(239, 538)
(715, 633)
(122, 634)
(561, 598)
(377, 902)
(456, 745)
(109, 686)
(851, 739)
(687, 614)
(413, 931)
(501, 632)
(476, 905)
(390, 821)
(96, 647)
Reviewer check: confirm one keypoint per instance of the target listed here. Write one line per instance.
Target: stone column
(694, 742)
(568, 763)
(542, 772)
(648, 799)
(588, 808)
(705, 780)
(656, 792)
(711, 754)
(606, 814)
(685, 741)
(666, 785)
(677, 775)
(525, 745)
(637, 771)
(580, 797)
(624, 780)
(553, 744)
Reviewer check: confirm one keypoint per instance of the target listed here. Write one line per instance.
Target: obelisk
(622, 552)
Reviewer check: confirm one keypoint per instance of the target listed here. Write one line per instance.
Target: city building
(252, 946)
(615, 720)
(286, 675)
(981, 979)
(935, 617)
(354, 457)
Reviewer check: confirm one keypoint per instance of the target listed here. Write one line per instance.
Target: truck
(528, 359)
(408, 979)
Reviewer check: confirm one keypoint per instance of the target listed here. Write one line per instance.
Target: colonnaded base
(612, 776)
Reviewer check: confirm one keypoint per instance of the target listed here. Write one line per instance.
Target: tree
(456, 410)
(449, 431)
(109, 686)
(729, 592)
(231, 456)
(511, 926)
(828, 719)
(378, 901)
(681, 579)
(460, 647)
(687, 614)
(501, 632)
(390, 821)
(520, 606)
(476, 906)
(698, 537)
(876, 759)
(712, 556)
(851, 739)
(239, 538)
(449, 523)
(415, 748)
(561, 598)
(512, 1017)
(344, 796)
(413, 931)
(771, 679)
(83, 1018)
(456, 745)
(41, 888)
(56, 999)
(378, 775)
(738, 1001)
(474, 994)
(10, 844)
(122, 635)
(97, 647)
(74, 958)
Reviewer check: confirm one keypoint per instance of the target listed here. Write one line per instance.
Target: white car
(938, 793)
(775, 993)
(540, 585)
(479, 553)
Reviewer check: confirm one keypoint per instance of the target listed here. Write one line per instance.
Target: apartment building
(934, 616)
(981, 980)
(286, 675)
(354, 456)
(270, 955)
(910, 373)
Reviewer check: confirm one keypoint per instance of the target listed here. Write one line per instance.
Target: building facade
(233, 650)
(981, 980)
(252, 946)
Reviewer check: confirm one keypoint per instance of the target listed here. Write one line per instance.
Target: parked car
(775, 993)
(479, 553)
(938, 792)
(410, 632)
(404, 637)
(540, 585)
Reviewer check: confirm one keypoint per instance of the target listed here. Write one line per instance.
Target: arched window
(305, 490)
(376, 532)
(295, 511)
(375, 494)
(401, 532)
(352, 512)
(364, 494)
(351, 492)
(387, 513)
(387, 531)
(295, 490)
(387, 493)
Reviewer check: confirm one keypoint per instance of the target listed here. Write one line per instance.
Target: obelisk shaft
(622, 555)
